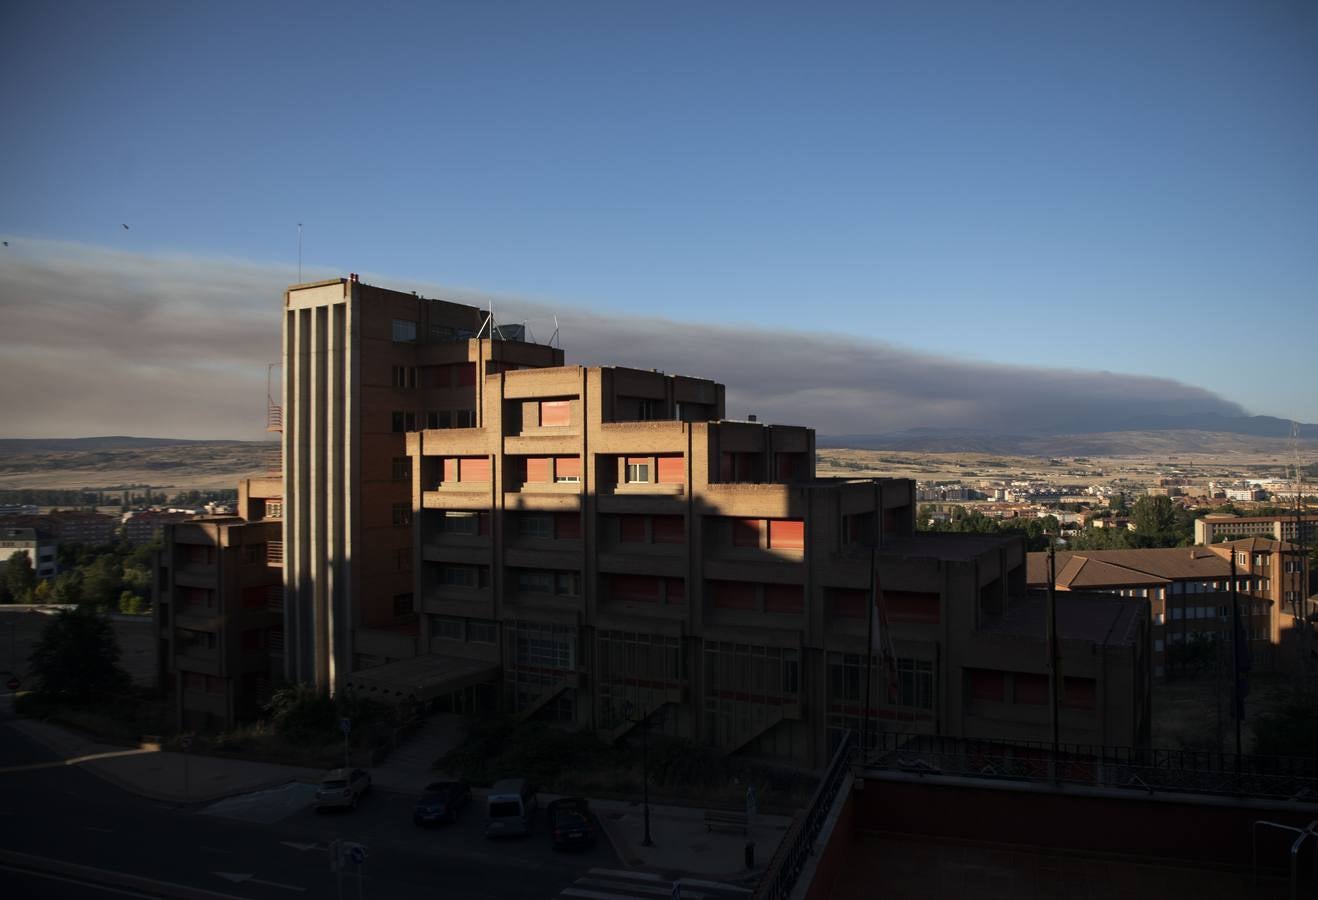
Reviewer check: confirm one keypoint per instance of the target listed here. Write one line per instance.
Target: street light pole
(645, 777)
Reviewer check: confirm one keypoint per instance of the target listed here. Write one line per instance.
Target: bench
(725, 818)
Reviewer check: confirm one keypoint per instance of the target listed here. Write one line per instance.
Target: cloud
(98, 341)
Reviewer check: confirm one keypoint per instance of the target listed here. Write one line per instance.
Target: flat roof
(422, 678)
(1100, 618)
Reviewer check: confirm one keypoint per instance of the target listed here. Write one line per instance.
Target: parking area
(384, 820)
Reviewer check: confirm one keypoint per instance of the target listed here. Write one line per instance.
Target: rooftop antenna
(489, 320)
(299, 252)
(554, 337)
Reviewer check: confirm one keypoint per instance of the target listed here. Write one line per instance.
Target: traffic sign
(357, 853)
(12, 683)
(345, 725)
(185, 742)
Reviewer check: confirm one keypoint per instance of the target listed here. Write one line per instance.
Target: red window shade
(450, 469)
(784, 598)
(631, 528)
(671, 470)
(911, 606)
(850, 603)
(537, 469)
(675, 590)
(638, 460)
(1079, 693)
(1031, 689)
(733, 594)
(567, 466)
(986, 684)
(726, 467)
(567, 525)
(644, 588)
(254, 597)
(466, 374)
(787, 534)
(555, 412)
(475, 468)
(746, 532)
(668, 529)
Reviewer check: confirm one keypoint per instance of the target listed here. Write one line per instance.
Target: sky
(1055, 190)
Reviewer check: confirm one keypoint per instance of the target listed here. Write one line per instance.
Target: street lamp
(644, 722)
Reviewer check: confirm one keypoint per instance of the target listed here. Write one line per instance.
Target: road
(72, 816)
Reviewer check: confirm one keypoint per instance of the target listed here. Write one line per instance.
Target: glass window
(404, 330)
(535, 525)
(481, 632)
(448, 628)
(638, 473)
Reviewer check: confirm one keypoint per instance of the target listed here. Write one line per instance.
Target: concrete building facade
(1211, 529)
(39, 546)
(363, 366)
(605, 549)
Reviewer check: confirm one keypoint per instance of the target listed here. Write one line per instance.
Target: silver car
(342, 788)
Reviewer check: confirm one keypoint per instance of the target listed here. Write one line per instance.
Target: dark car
(572, 824)
(441, 802)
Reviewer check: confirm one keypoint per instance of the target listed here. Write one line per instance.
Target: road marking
(619, 873)
(91, 884)
(73, 761)
(246, 878)
(303, 847)
(713, 885)
(657, 890)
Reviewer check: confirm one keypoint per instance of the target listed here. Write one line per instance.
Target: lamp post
(644, 722)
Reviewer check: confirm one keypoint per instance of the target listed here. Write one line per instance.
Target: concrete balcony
(461, 496)
(669, 502)
(544, 498)
(763, 570)
(544, 558)
(666, 565)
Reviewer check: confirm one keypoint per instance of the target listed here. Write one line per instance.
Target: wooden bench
(725, 818)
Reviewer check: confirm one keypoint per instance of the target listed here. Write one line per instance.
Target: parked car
(572, 824)
(441, 802)
(510, 808)
(342, 788)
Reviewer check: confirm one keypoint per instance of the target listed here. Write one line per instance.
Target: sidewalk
(171, 777)
(408, 768)
(681, 843)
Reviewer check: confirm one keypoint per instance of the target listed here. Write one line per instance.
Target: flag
(881, 638)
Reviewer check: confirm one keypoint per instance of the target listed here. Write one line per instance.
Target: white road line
(713, 885)
(619, 873)
(594, 895)
(79, 882)
(659, 890)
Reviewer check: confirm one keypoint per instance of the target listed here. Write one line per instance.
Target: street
(70, 818)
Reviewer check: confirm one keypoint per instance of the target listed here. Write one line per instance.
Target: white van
(510, 808)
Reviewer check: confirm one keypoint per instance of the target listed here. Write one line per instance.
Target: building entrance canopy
(422, 678)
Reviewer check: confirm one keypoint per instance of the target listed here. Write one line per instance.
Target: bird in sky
(125, 227)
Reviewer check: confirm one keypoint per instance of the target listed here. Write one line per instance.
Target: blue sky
(1110, 186)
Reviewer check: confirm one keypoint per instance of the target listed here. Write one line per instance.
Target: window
(784, 598)
(733, 594)
(986, 684)
(535, 525)
(533, 582)
(567, 469)
(274, 509)
(402, 515)
(631, 529)
(555, 413)
(746, 532)
(787, 534)
(402, 606)
(915, 683)
(254, 553)
(455, 521)
(439, 418)
(464, 418)
(403, 376)
(404, 330)
(670, 470)
(446, 628)
(463, 576)
(402, 421)
(401, 469)
(668, 529)
(638, 470)
(1031, 689)
(403, 559)
(567, 584)
(567, 526)
(481, 632)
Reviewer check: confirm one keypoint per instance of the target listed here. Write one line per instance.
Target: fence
(798, 846)
(1133, 768)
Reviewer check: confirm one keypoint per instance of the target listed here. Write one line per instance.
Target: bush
(302, 713)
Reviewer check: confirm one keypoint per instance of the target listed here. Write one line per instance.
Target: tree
(67, 589)
(77, 657)
(20, 577)
(102, 581)
(130, 604)
(1154, 519)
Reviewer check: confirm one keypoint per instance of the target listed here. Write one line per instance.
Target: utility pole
(1238, 698)
(1054, 676)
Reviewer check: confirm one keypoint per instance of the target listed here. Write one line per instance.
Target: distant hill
(1113, 443)
(10, 446)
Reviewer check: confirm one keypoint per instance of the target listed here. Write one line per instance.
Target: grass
(1185, 711)
(119, 720)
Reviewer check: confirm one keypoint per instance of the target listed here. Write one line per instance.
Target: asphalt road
(66, 814)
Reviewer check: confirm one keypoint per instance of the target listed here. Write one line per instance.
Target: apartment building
(362, 367)
(1188, 591)
(219, 613)
(604, 548)
(69, 526)
(1211, 529)
(38, 544)
(147, 525)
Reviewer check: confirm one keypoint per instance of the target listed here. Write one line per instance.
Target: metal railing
(799, 845)
(1132, 768)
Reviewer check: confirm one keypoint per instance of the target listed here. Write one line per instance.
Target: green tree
(1289, 730)
(77, 657)
(20, 577)
(102, 581)
(1155, 523)
(130, 604)
(67, 589)
(43, 593)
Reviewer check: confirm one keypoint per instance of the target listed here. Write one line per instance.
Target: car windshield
(434, 797)
(505, 808)
(570, 817)
(333, 785)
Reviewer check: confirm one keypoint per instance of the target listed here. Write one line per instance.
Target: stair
(408, 767)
